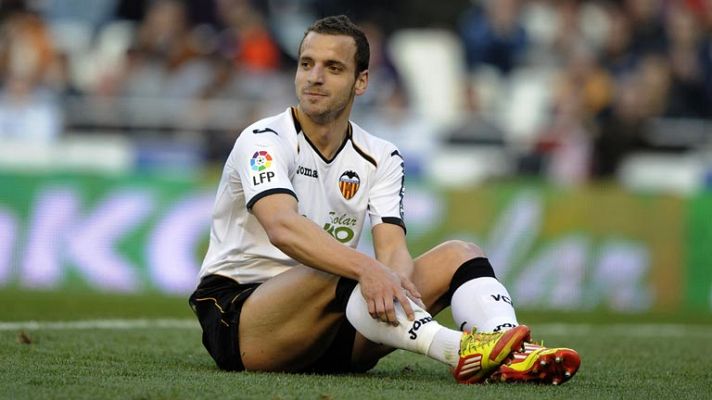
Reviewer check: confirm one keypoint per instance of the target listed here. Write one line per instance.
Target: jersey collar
(298, 129)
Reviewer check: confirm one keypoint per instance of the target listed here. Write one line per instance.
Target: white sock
(422, 335)
(485, 304)
(446, 347)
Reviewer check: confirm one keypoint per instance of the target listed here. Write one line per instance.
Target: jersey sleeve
(385, 204)
(263, 162)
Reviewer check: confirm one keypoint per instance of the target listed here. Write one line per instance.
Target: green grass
(170, 363)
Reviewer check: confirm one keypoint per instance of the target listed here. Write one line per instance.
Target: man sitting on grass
(282, 287)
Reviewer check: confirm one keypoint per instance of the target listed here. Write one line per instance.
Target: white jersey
(274, 156)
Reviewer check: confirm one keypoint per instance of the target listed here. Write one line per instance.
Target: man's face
(326, 80)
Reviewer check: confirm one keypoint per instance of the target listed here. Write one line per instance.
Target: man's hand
(382, 287)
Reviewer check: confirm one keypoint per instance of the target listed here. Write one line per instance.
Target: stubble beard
(331, 113)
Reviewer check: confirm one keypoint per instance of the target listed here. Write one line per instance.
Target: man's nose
(316, 75)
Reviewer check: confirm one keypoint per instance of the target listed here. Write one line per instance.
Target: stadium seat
(431, 63)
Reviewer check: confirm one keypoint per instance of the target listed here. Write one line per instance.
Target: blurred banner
(592, 247)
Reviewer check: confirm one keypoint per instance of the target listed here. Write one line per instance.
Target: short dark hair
(342, 25)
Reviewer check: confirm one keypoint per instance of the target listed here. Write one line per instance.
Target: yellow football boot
(538, 364)
(482, 353)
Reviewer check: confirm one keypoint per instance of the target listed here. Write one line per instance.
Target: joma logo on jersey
(307, 172)
(349, 183)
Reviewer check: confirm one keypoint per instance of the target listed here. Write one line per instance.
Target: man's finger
(372, 309)
(405, 303)
(412, 289)
(381, 311)
(391, 312)
(417, 301)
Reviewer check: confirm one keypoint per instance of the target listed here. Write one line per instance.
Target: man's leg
(289, 321)
(432, 275)
(457, 273)
(442, 270)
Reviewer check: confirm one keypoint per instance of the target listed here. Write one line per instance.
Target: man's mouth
(314, 93)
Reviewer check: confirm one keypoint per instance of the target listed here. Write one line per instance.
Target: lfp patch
(260, 161)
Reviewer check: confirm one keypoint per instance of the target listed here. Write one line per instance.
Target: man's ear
(361, 83)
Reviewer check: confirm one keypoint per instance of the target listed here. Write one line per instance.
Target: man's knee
(458, 251)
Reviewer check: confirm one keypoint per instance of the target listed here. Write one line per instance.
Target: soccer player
(282, 287)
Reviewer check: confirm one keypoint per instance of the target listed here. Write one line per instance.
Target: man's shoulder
(280, 125)
(378, 147)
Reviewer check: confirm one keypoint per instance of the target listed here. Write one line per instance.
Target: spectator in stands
(622, 129)
(247, 40)
(617, 56)
(685, 56)
(164, 61)
(384, 80)
(28, 111)
(249, 59)
(582, 91)
(648, 35)
(494, 35)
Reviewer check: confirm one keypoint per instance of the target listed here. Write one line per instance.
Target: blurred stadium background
(571, 139)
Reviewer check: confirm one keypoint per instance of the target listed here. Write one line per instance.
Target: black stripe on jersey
(267, 193)
(326, 160)
(297, 125)
(401, 193)
(299, 130)
(395, 221)
(361, 152)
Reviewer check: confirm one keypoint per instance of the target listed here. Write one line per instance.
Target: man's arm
(306, 242)
(391, 249)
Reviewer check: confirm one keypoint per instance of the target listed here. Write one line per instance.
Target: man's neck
(327, 137)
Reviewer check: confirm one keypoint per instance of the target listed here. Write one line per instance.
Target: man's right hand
(382, 287)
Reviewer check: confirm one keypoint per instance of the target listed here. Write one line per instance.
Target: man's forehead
(341, 46)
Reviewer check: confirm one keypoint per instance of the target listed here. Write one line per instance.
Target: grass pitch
(93, 346)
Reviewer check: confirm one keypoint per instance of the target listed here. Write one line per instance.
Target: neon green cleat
(482, 353)
(538, 364)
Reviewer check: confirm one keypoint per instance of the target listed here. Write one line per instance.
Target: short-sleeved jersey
(273, 155)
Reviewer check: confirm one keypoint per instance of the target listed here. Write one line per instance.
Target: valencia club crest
(349, 183)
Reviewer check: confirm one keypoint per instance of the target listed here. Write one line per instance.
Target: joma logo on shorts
(416, 325)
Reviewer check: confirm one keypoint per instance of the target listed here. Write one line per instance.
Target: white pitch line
(539, 330)
(621, 329)
(100, 324)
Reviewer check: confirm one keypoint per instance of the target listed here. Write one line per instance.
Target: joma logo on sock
(501, 297)
(416, 325)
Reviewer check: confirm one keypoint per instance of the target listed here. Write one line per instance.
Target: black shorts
(217, 302)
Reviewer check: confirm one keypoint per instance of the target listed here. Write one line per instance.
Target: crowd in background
(611, 73)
